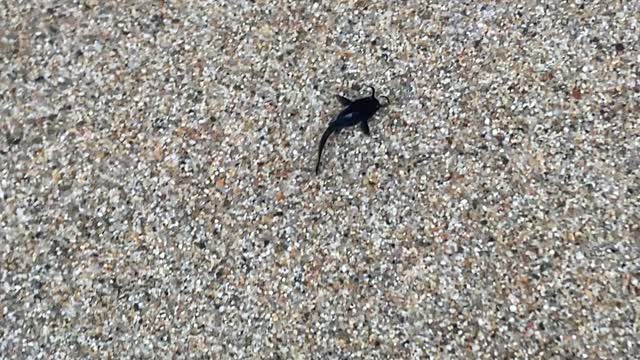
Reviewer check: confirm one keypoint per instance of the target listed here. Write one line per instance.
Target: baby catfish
(356, 112)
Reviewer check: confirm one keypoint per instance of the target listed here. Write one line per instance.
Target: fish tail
(323, 140)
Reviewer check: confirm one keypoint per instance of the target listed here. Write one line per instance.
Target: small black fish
(358, 111)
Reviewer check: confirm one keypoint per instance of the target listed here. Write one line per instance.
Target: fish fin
(364, 125)
(343, 100)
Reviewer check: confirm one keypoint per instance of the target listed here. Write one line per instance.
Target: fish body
(355, 112)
